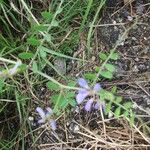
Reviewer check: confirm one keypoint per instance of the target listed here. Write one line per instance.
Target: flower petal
(49, 110)
(52, 124)
(41, 121)
(97, 87)
(88, 105)
(81, 96)
(82, 82)
(97, 105)
(41, 112)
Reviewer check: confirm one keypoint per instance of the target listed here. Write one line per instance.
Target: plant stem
(7, 60)
(56, 82)
(113, 50)
(92, 25)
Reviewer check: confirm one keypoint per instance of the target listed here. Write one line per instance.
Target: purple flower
(45, 116)
(85, 91)
(88, 105)
(98, 104)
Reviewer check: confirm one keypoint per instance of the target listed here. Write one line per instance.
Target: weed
(30, 41)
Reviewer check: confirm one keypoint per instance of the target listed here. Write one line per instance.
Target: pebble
(130, 18)
(135, 68)
(93, 58)
(73, 127)
(30, 118)
(136, 59)
(114, 22)
(140, 10)
(133, 38)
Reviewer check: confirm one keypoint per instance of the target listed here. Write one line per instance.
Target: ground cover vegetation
(74, 74)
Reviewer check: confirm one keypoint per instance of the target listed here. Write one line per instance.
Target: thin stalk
(43, 40)
(7, 60)
(86, 14)
(92, 25)
(113, 50)
(56, 82)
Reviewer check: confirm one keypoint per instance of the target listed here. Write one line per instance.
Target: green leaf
(47, 15)
(60, 102)
(106, 95)
(57, 54)
(90, 76)
(43, 53)
(108, 107)
(127, 105)
(106, 74)
(126, 114)
(52, 86)
(55, 23)
(25, 55)
(118, 99)
(115, 56)
(33, 41)
(132, 119)
(1, 84)
(117, 112)
(102, 56)
(59, 10)
(73, 102)
(40, 28)
(114, 89)
(71, 83)
(48, 37)
(63, 104)
(34, 67)
(97, 69)
(22, 68)
(56, 100)
(55, 97)
(110, 67)
(1, 1)
(69, 95)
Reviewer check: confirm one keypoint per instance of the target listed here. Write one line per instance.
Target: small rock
(133, 38)
(60, 65)
(114, 22)
(135, 68)
(137, 59)
(93, 58)
(144, 38)
(30, 118)
(130, 18)
(73, 127)
(140, 10)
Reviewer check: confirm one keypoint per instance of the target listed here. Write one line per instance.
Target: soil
(82, 130)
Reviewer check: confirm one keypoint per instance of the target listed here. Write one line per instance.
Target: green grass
(25, 29)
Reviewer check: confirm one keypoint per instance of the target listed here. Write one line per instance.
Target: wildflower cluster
(45, 116)
(86, 92)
